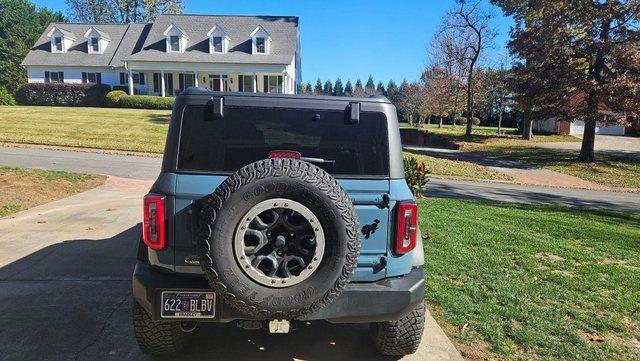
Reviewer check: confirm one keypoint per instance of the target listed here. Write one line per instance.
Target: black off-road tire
(291, 179)
(400, 337)
(156, 337)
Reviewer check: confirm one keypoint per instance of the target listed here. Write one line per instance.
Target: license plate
(188, 304)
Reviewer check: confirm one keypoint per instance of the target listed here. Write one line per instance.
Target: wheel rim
(279, 243)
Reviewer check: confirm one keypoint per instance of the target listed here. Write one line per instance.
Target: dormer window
(218, 40)
(61, 40)
(97, 41)
(260, 41)
(57, 44)
(260, 46)
(176, 39)
(174, 43)
(94, 45)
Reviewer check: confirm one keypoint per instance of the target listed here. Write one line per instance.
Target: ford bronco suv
(271, 209)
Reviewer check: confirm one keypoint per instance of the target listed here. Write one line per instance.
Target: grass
(512, 281)
(608, 169)
(22, 188)
(458, 169)
(136, 130)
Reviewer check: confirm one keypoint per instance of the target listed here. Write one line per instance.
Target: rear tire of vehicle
(156, 337)
(285, 179)
(400, 337)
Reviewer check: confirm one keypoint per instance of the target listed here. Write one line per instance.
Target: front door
(218, 83)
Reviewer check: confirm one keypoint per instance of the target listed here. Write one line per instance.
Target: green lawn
(458, 169)
(22, 188)
(512, 281)
(135, 130)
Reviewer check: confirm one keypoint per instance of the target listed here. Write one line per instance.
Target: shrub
(6, 98)
(147, 102)
(114, 98)
(463, 121)
(416, 174)
(62, 94)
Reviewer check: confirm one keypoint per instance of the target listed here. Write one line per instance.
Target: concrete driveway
(608, 144)
(65, 275)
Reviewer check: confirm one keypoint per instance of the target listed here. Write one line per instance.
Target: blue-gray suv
(272, 209)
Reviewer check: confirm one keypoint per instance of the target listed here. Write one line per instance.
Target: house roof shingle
(146, 42)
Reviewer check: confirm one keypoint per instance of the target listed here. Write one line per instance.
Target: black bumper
(387, 299)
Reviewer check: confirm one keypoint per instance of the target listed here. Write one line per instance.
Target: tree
(358, 90)
(380, 88)
(409, 100)
(318, 89)
(370, 87)
(21, 24)
(472, 24)
(437, 97)
(392, 91)
(348, 89)
(121, 11)
(328, 88)
(337, 88)
(308, 89)
(579, 64)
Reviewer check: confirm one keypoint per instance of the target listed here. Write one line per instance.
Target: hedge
(6, 98)
(147, 102)
(62, 94)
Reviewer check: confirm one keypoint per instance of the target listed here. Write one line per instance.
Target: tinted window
(246, 135)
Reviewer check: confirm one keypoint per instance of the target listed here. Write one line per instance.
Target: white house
(223, 53)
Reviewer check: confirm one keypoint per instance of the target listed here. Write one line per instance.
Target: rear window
(246, 135)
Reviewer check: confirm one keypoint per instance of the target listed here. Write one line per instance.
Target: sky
(353, 39)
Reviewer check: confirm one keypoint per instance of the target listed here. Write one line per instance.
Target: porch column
(130, 81)
(255, 82)
(284, 83)
(195, 78)
(162, 83)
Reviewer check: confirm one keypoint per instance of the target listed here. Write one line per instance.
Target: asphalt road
(148, 168)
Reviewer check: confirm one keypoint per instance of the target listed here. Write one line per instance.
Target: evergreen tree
(380, 88)
(392, 90)
(308, 89)
(358, 90)
(318, 88)
(21, 24)
(348, 89)
(328, 88)
(337, 88)
(370, 88)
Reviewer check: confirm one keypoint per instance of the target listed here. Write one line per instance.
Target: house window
(57, 43)
(92, 78)
(273, 83)
(217, 44)
(186, 80)
(53, 77)
(260, 46)
(245, 83)
(94, 45)
(174, 43)
(138, 78)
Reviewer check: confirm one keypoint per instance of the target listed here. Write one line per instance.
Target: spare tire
(278, 239)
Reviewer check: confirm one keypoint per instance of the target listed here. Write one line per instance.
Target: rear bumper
(387, 299)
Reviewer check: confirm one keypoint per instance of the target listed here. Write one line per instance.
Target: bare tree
(470, 22)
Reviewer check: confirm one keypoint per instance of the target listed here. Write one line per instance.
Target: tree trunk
(500, 111)
(588, 141)
(440, 123)
(469, 103)
(527, 126)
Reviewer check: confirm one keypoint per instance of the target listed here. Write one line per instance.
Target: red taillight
(406, 226)
(284, 154)
(153, 221)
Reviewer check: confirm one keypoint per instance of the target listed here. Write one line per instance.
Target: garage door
(577, 128)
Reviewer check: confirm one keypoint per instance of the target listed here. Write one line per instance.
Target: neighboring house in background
(223, 53)
(574, 126)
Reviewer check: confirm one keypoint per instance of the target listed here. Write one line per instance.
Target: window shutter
(47, 78)
(265, 84)
(181, 81)
(84, 77)
(99, 78)
(141, 78)
(156, 82)
(61, 76)
(240, 83)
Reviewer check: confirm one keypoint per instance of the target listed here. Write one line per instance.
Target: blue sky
(353, 38)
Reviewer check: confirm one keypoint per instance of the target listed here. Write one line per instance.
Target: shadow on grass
(159, 118)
